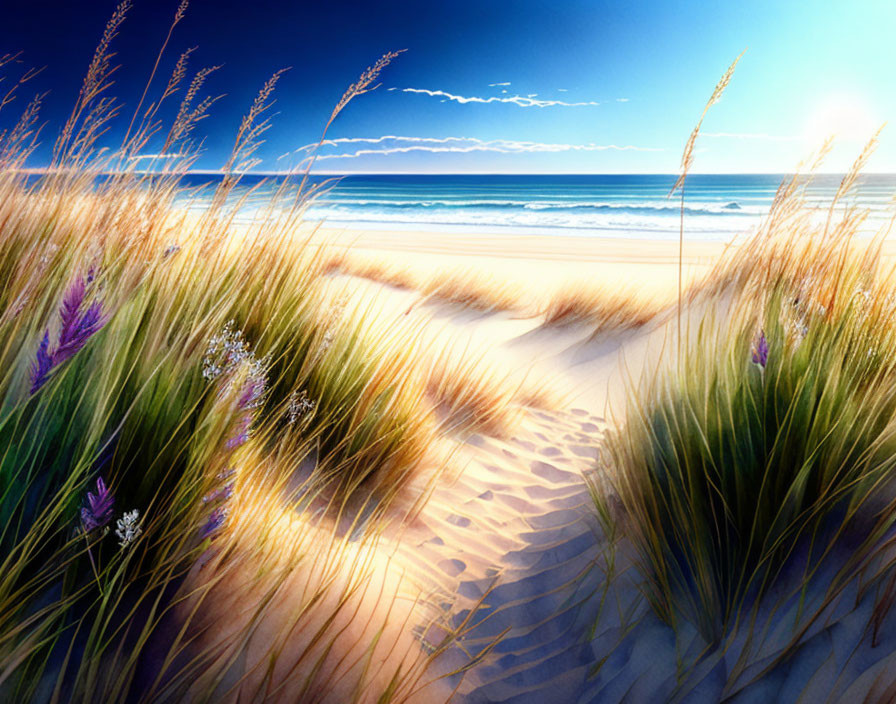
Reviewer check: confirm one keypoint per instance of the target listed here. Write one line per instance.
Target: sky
(520, 86)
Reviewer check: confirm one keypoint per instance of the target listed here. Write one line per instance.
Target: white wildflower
(128, 528)
(224, 352)
(299, 406)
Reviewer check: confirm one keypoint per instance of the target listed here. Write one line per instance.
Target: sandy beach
(419, 353)
(508, 544)
(539, 263)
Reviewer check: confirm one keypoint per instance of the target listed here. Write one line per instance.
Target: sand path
(511, 550)
(514, 540)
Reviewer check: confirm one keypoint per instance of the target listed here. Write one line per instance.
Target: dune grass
(470, 394)
(470, 290)
(766, 451)
(598, 307)
(379, 271)
(573, 304)
(160, 373)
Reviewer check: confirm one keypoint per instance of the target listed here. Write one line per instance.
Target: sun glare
(842, 116)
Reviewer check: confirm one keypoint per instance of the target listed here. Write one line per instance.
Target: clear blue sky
(810, 68)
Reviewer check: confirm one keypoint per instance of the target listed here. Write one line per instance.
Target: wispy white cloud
(621, 100)
(141, 157)
(562, 90)
(515, 99)
(495, 85)
(386, 138)
(393, 144)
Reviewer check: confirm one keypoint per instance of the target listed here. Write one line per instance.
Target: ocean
(717, 207)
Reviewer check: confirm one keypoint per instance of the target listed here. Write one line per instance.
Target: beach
(507, 541)
(517, 371)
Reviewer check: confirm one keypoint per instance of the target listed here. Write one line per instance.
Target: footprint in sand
(590, 428)
(584, 451)
(517, 504)
(452, 567)
(550, 451)
(459, 521)
(579, 412)
(551, 473)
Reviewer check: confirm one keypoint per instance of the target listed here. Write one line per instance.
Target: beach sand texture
(507, 547)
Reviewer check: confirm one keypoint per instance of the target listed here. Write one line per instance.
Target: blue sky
(572, 86)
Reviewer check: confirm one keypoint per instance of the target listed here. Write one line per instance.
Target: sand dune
(511, 552)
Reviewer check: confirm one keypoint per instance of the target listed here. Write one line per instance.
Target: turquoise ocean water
(716, 206)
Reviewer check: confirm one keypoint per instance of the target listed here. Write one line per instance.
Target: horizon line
(219, 172)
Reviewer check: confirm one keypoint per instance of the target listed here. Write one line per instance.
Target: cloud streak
(519, 100)
(462, 145)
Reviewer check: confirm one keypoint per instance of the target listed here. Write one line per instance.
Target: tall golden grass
(753, 473)
(258, 433)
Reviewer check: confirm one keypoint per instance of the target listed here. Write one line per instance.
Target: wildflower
(74, 332)
(170, 250)
(760, 350)
(249, 396)
(127, 528)
(215, 520)
(221, 494)
(224, 352)
(242, 432)
(299, 406)
(254, 386)
(42, 365)
(98, 509)
(226, 474)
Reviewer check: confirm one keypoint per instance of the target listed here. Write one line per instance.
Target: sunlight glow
(846, 117)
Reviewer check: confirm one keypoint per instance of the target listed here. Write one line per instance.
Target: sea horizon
(636, 206)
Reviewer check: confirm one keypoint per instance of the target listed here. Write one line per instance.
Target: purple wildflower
(226, 474)
(250, 394)
(760, 350)
(98, 509)
(74, 331)
(237, 440)
(220, 494)
(215, 521)
(43, 363)
(73, 338)
(72, 300)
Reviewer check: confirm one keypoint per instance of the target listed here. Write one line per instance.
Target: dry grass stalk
(687, 159)
(470, 290)
(600, 308)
